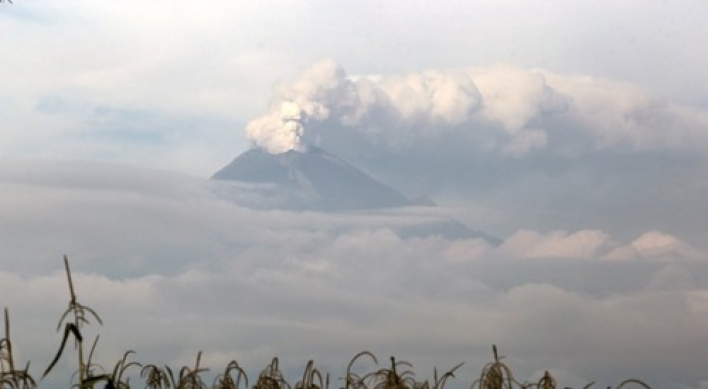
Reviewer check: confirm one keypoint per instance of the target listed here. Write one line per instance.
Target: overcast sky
(574, 132)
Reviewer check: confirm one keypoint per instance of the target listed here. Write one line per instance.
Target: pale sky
(575, 132)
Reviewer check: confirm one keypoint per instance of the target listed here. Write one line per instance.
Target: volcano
(314, 179)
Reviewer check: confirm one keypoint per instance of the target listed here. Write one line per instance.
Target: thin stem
(71, 284)
(8, 342)
(77, 322)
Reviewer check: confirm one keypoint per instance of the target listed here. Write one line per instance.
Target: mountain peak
(313, 179)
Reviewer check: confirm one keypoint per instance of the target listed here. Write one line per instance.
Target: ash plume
(324, 93)
(499, 109)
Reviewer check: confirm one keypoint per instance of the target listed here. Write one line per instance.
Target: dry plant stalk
(311, 377)
(392, 378)
(353, 381)
(188, 378)
(73, 328)
(10, 377)
(494, 375)
(225, 380)
(271, 377)
(155, 377)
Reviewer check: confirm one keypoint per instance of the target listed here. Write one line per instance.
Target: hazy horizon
(575, 133)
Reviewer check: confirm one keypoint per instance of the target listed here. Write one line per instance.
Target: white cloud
(557, 244)
(514, 96)
(587, 244)
(578, 141)
(160, 256)
(654, 244)
(622, 115)
(407, 109)
(216, 62)
(500, 109)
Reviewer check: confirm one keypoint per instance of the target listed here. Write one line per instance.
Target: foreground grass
(88, 374)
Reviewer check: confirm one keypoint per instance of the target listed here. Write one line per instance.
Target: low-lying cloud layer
(173, 269)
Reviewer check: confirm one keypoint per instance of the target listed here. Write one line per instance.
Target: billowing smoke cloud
(395, 108)
(320, 89)
(501, 109)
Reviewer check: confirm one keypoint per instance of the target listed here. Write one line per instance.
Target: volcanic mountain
(314, 179)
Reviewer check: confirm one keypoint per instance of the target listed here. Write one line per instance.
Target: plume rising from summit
(324, 94)
(500, 108)
(309, 98)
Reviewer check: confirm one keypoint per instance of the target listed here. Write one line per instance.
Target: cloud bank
(173, 269)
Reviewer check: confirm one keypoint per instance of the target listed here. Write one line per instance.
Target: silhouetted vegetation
(395, 375)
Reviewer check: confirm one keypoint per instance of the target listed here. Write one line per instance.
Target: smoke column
(509, 110)
(324, 92)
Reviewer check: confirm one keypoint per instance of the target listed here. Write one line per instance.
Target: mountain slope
(312, 180)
